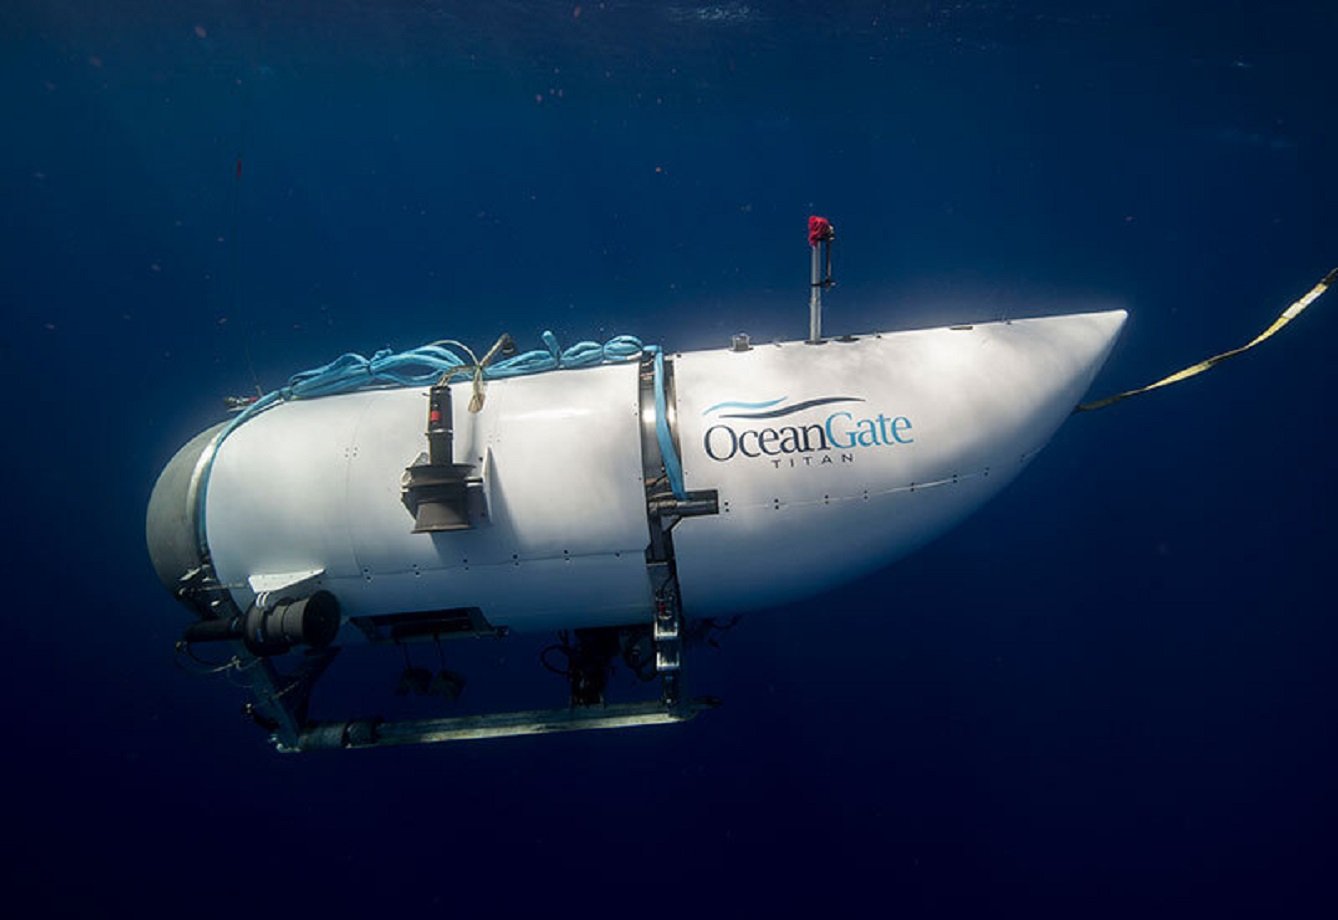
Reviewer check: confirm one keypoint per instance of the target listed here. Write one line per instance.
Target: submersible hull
(802, 466)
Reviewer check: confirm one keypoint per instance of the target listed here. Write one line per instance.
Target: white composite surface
(973, 403)
(830, 461)
(316, 484)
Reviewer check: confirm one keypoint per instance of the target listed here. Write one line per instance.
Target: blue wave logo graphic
(764, 409)
(744, 405)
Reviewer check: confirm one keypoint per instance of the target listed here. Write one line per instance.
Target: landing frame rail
(370, 733)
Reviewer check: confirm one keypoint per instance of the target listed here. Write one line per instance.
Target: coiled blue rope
(425, 365)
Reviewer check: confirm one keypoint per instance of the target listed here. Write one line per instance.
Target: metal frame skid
(280, 697)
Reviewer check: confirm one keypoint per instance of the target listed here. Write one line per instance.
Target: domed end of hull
(171, 526)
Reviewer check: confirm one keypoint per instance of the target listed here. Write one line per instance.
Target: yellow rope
(1194, 370)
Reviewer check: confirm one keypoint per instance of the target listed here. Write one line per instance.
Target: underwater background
(1110, 692)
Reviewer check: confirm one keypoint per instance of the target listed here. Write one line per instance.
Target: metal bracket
(266, 584)
(668, 644)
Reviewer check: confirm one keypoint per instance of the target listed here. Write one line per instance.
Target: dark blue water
(1111, 692)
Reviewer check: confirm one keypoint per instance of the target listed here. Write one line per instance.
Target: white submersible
(620, 501)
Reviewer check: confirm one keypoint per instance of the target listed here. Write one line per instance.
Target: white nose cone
(832, 460)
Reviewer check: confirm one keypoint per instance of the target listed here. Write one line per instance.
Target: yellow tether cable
(1194, 370)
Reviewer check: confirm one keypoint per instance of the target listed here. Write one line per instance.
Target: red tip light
(820, 230)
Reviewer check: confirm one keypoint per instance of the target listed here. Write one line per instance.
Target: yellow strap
(1194, 370)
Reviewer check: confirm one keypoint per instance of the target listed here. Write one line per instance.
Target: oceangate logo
(843, 431)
